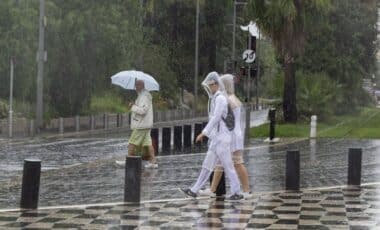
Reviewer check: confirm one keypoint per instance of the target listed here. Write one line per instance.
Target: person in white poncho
(237, 142)
(220, 140)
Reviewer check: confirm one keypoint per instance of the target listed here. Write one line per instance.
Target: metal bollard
(61, 127)
(354, 166)
(178, 138)
(221, 189)
(105, 121)
(132, 186)
(166, 136)
(30, 183)
(247, 122)
(197, 130)
(118, 120)
(272, 119)
(313, 126)
(205, 139)
(32, 128)
(187, 136)
(154, 136)
(92, 122)
(77, 123)
(292, 170)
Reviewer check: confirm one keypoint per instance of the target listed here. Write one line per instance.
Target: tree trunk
(289, 104)
(211, 55)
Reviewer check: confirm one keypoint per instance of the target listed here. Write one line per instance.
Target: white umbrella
(127, 79)
(252, 28)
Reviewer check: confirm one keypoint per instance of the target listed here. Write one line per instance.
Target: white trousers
(219, 150)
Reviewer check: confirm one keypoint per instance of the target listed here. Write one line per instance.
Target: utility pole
(234, 29)
(11, 100)
(258, 72)
(41, 58)
(233, 33)
(249, 71)
(196, 58)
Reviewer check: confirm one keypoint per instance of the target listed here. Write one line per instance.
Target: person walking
(219, 140)
(237, 143)
(141, 123)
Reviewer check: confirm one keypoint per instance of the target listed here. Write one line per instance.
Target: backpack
(229, 120)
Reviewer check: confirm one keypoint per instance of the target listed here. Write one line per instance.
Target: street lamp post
(11, 100)
(41, 58)
(233, 33)
(196, 58)
(234, 29)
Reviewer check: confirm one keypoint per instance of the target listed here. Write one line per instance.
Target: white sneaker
(151, 165)
(120, 163)
(247, 195)
(207, 192)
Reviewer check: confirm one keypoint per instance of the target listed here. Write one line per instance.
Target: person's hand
(199, 138)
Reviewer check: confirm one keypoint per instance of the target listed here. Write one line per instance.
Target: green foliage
(343, 45)
(107, 103)
(3, 109)
(317, 95)
(364, 124)
(282, 130)
(18, 29)
(89, 41)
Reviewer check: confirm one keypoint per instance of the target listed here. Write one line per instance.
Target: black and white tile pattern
(332, 208)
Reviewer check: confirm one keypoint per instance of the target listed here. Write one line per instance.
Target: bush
(4, 108)
(317, 95)
(107, 103)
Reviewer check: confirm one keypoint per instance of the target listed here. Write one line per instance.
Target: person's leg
(243, 176)
(224, 155)
(152, 157)
(133, 142)
(241, 170)
(131, 149)
(207, 167)
(218, 172)
(147, 142)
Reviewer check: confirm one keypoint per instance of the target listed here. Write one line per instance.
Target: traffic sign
(249, 56)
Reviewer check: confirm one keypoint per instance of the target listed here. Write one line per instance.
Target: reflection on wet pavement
(82, 171)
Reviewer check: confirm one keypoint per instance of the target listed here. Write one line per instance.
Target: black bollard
(30, 184)
(197, 130)
(132, 184)
(154, 136)
(247, 122)
(178, 138)
(221, 188)
(118, 120)
(205, 139)
(272, 119)
(354, 166)
(292, 170)
(187, 136)
(166, 135)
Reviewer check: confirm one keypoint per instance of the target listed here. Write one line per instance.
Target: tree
(283, 21)
(343, 45)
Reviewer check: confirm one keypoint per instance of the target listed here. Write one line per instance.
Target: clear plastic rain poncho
(212, 77)
(238, 110)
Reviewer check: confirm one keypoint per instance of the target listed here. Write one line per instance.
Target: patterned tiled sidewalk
(330, 208)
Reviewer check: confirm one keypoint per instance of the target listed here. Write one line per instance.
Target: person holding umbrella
(141, 123)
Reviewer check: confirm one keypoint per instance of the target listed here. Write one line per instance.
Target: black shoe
(188, 192)
(236, 197)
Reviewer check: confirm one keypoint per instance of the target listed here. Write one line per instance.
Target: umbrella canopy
(127, 79)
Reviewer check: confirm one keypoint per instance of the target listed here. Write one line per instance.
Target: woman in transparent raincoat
(220, 139)
(237, 141)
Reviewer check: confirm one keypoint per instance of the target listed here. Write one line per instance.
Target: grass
(364, 125)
